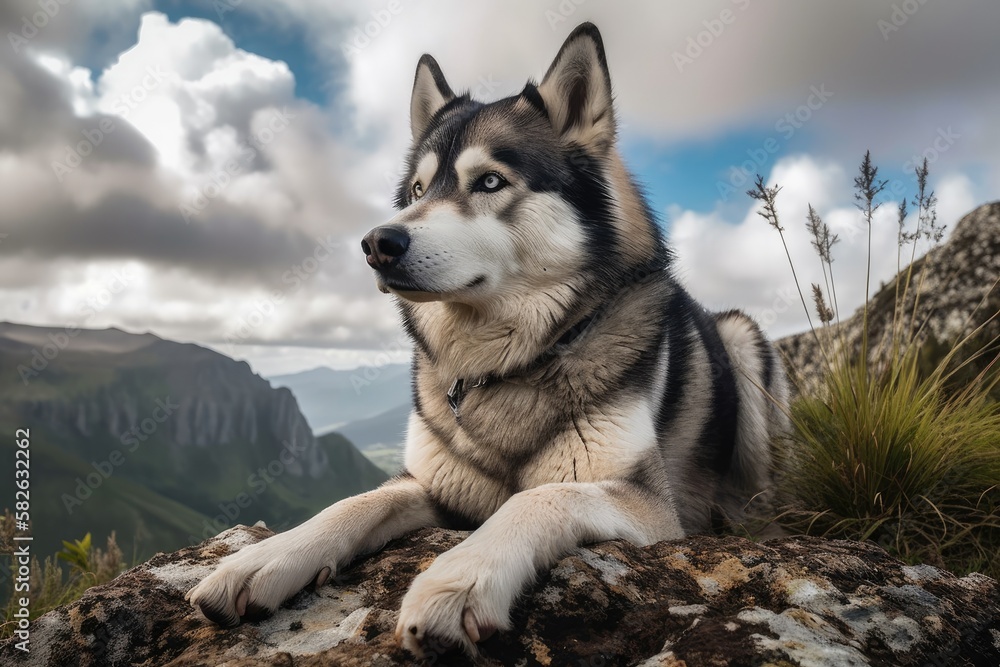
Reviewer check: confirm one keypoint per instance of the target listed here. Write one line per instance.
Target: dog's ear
(577, 91)
(430, 93)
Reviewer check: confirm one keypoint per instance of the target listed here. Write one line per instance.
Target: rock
(699, 601)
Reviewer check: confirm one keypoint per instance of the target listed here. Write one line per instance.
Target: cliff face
(957, 295)
(165, 443)
(699, 601)
(212, 401)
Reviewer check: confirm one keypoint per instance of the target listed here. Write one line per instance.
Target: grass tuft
(891, 446)
(895, 459)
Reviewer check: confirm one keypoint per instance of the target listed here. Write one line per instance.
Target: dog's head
(523, 194)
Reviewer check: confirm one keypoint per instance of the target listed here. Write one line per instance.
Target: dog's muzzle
(384, 246)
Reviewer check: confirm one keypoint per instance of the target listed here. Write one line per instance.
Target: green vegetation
(92, 469)
(900, 442)
(388, 459)
(176, 481)
(50, 585)
(145, 519)
(344, 456)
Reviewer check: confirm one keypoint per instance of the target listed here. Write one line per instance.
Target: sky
(206, 170)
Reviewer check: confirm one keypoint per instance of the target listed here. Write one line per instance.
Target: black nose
(385, 245)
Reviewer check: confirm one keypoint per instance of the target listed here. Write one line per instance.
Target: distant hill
(163, 442)
(381, 437)
(956, 296)
(330, 399)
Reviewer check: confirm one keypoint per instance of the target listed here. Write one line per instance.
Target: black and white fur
(566, 388)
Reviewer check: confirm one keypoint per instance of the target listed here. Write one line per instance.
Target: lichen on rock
(699, 601)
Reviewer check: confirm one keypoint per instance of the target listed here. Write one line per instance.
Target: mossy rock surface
(699, 601)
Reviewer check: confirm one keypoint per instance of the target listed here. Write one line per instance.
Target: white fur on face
(549, 241)
(448, 252)
(538, 246)
(473, 163)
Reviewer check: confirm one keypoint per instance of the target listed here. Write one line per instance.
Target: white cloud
(955, 193)
(197, 103)
(742, 264)
(183, 81)
(74, 29)
(751, 62)
(187, 101)
(78, 79)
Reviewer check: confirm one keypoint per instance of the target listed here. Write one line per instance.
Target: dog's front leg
(468, 591)
(255, 580)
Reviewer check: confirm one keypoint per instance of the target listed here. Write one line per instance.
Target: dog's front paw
(253, 582)
(455, 603)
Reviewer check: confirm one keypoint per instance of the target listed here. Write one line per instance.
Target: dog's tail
(748, 493)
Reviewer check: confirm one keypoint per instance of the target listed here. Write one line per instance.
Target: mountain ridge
(125, 424)
(331, 399)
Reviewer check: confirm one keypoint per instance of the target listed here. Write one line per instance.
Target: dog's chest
(521, 435)
(498, 424)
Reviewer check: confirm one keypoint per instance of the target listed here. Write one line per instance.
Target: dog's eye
(418, 190)
(490, 182)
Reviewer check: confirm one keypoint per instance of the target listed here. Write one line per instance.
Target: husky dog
(566, 389)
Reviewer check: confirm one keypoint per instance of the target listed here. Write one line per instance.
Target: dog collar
(457, 391)
(456, 394)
